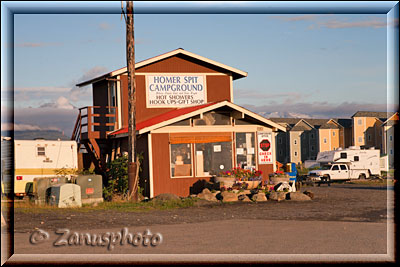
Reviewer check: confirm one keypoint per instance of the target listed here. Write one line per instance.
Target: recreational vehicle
(350, 163)
(42, 158)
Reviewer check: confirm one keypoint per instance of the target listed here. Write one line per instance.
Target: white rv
(350, 163)
(41, 158)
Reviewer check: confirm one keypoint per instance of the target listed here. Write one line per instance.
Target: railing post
(89, 121)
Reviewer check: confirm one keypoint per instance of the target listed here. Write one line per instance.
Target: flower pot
(227, 181)
(252, 184)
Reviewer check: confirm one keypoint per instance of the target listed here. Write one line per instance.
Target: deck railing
(95, 122)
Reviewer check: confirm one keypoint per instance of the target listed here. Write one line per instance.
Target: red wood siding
(218, 88)
(162, 181)
(180, 63)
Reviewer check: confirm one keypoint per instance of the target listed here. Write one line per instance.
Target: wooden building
(188, 128)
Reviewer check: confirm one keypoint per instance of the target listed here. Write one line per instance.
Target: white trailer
(42, 158)
(360, 160)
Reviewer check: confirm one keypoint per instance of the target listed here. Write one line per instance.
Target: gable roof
(290, 121)
(380, 115)
(302, 125)
(236, 73)
(346, 123)
(392, 120)
(179, 114)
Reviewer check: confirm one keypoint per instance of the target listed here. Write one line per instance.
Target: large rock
(229, 196)
(298, 196)
(167, 196)
(243, 198)
(207, 195)
(259, 197)
(278, 196)
(309, 193)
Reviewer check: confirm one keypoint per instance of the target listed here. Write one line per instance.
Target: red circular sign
(265, 145)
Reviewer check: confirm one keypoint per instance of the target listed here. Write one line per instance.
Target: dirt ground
(339, 202)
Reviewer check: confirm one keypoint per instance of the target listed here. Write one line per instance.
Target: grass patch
(29, 207)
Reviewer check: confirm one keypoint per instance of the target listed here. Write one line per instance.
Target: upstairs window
(343, 155)
(213, 118)
(360, 122)
(356, 158)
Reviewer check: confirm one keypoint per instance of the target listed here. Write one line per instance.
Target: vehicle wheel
(361, 176)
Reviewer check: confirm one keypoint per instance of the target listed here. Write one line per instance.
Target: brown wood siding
(218, 88)
(266, 170)
(162, 181)
(180, 63)
(100, 93)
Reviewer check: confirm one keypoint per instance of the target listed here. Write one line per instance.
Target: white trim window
(181, 160)
(359, 122)
(325, 141)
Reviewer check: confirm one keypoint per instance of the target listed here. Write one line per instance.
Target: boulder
(298, 196)
(309, 193)
(167, 196)
(243, 198)
(260, 197)
(278, 196)
(229, 196)
(207, 195)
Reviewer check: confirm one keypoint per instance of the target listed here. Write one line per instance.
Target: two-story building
(188, 128)
(304, 138)
(367, 128)
(388, 140)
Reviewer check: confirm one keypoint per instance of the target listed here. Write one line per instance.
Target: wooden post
(130, 53)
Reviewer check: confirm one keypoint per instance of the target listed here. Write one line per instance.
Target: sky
(307, 65)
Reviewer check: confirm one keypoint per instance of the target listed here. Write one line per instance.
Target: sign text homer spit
(175, 90)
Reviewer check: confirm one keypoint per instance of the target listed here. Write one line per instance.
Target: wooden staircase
(91, 129)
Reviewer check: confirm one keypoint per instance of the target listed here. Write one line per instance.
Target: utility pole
(133, 169)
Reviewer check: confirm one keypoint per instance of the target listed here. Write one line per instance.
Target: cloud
(46, 118)
(105, 26)
(44, 89)
(61, 102)
(27, 44)
(77, 93)
(321, 109)
(334, 22)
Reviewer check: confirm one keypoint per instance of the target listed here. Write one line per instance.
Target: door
(344, 171)
(336, 173)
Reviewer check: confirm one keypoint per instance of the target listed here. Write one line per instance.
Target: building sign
(165, 91)
(264, 148)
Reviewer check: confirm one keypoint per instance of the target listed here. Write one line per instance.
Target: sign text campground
(175, 90)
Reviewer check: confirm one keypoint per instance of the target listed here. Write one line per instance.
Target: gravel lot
(339, 202)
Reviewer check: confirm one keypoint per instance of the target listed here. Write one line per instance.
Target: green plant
(86, 172)
(117, 178)
(117, 182)
(64, 171)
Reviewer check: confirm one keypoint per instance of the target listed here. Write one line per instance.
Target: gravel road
(343, 222)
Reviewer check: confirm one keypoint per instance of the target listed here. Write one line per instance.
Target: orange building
(367, 128)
